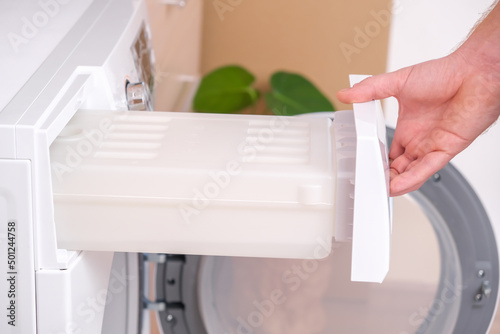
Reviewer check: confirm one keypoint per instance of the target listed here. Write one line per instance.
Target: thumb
(374, 88)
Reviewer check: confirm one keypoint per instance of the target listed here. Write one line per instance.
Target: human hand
(444, 104)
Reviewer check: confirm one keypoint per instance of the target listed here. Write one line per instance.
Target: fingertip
(396, 190)
(343, 95)
(401, 185)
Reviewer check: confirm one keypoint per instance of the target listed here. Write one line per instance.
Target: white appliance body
(56, 59)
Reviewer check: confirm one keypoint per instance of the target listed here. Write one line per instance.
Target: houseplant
(229, 89)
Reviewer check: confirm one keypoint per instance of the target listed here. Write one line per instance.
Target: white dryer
(70, 56)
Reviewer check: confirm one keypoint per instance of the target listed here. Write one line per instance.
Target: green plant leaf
(292, 94)
(225, 90)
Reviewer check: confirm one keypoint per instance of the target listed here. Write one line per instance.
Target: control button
(137, 96)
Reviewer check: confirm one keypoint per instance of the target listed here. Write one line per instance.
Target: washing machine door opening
(248, 295)
(443, 279)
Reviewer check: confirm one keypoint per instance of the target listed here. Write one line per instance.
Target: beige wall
(176, 34)
(298, 36)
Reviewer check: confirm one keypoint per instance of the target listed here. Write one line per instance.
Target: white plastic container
(211, 184)
(194, 184)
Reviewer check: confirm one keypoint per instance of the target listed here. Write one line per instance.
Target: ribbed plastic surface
(345, 145)
(194, 183)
